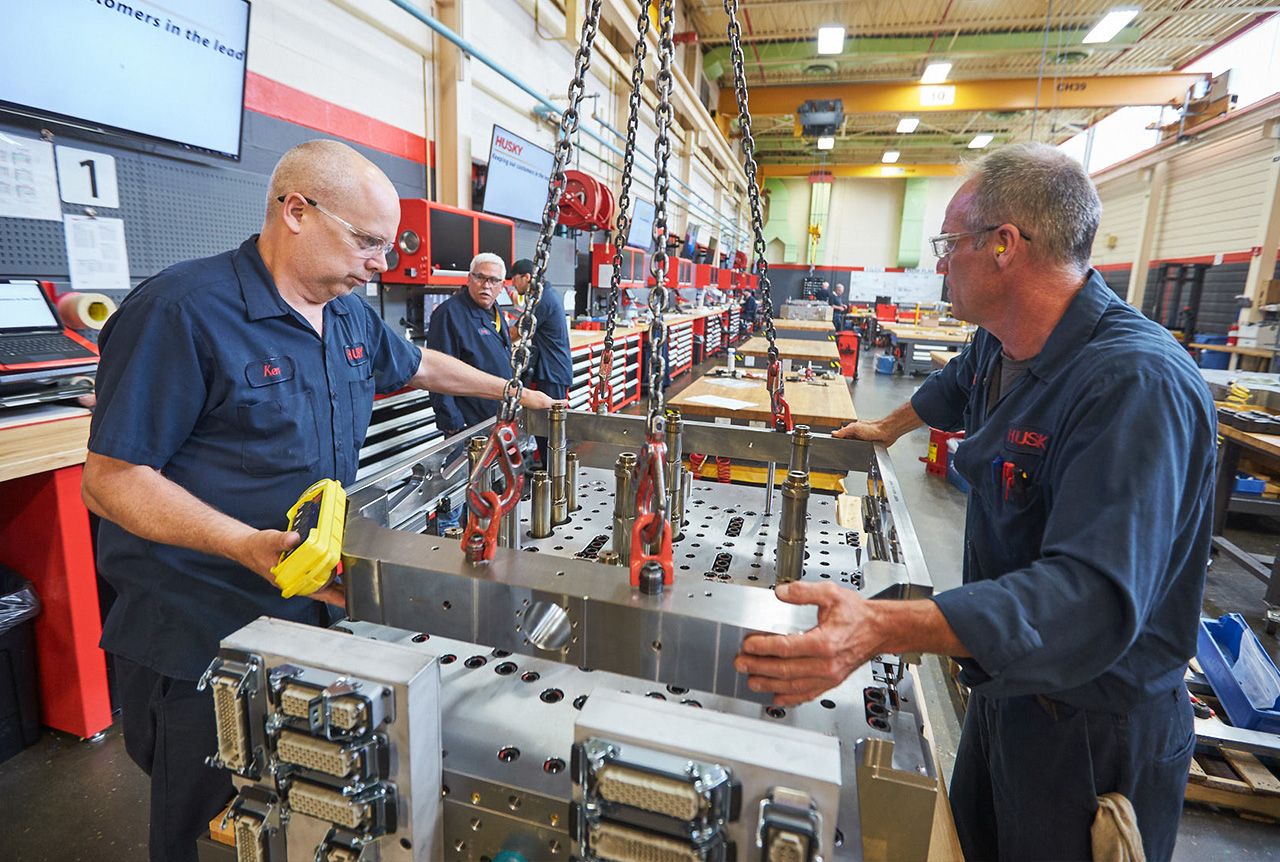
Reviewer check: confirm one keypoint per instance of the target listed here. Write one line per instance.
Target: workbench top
(42, 438)
(792, 348)
(945, 334)
(822, 405)
(804, 325)
(583, 337)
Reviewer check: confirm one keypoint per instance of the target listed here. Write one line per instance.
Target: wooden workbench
(943, 334)
(1236, 443)
(1268, 357)
(820, 404)
(793, 348)
(583, 337)
(823, 326)
(940, 358)
(44, 536)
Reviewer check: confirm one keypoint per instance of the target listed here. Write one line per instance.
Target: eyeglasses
(487, 280)
(945, 244)
(367, 244)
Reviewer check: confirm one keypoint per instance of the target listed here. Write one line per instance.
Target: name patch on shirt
(1027, 440)
(356, 354)
(265, 372)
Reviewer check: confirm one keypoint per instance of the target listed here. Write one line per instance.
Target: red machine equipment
(435, 243)
(586, 203)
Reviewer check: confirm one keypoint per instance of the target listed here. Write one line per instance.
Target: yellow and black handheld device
(319, 516)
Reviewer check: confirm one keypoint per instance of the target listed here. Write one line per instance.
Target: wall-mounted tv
(171, 71)
(519, 173)
(640, 231)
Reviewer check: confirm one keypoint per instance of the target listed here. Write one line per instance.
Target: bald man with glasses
(227, 386)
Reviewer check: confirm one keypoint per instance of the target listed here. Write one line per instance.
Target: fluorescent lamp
(907, 125)
(826, 142)
(935, 73)
(830, 39)
(1111, 24)
(980, 141)
(890, 156)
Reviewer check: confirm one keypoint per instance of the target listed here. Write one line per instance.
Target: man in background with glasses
(227, 386)
(471, 326)
(1090, 456)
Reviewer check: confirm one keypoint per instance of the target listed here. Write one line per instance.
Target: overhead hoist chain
(651, 533)
(503, 447)
(602, 391)
(779, 408)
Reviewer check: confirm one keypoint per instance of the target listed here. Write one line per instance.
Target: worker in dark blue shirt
(227, 386)
(1090, 454)
(550, 366)
(470, 326)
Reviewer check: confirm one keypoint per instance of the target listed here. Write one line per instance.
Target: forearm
(914, 626)
(440, 372)
(900, 421)
(142, 501)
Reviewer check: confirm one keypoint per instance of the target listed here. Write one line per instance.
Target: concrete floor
(70, 801)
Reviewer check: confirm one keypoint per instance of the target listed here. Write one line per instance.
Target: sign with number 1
(86, 177)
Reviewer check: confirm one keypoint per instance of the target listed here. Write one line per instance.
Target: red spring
(639, 557)
(724, 469)
(696, 461)
(490, 533)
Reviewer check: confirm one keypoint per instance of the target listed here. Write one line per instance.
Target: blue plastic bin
(1212, 358)
(1246, 484)
(885, 364)
(1240, 685)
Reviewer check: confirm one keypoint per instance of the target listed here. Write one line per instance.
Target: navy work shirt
(1085, 558)
(466, 331)
(550, 362)
(208, 376)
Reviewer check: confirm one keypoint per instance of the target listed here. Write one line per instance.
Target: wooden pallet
(1235, 780)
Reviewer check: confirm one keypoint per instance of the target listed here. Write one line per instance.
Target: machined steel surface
(493, 701)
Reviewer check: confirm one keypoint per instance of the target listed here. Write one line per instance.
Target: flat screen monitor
(640, 231)
(519, 174)
(171, 71)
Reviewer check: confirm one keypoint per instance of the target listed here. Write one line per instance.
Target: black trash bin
(19, 698)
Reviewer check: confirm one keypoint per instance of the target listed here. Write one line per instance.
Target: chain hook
(503, 448)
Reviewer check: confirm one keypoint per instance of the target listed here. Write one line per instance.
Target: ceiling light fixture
(890, 157)
(935, 73)
(980, 141)
(826, 142)
(907, 125)
(1111, 24)
(830, 39)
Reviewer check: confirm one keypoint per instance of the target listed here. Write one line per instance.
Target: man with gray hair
(227, 386)
(1090, 456)
(470, 326)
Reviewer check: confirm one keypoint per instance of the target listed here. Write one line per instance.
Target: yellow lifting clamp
(320, 517)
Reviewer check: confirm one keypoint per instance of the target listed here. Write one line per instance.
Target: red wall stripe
(1229, 257)
(274, 99)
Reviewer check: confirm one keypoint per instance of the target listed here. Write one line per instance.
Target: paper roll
(85, 310)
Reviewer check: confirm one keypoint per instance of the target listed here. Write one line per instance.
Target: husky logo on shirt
(356, 354)
(1027, 440)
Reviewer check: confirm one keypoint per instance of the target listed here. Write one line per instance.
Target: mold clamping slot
(790, 827)
(233, 683)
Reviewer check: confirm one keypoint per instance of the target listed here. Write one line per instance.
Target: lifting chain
(602, 393)
(651, 533)
(503, 443)
(778, 404)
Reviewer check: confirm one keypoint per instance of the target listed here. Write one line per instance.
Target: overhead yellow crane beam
(1013, 94)
(865, 171)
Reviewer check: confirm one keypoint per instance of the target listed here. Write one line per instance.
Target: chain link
(658, 358)
(761, 266)
(623, 226)
(523, 351)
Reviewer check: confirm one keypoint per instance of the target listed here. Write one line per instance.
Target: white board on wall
(912, 286)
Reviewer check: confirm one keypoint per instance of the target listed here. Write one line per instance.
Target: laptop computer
(32, 338)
